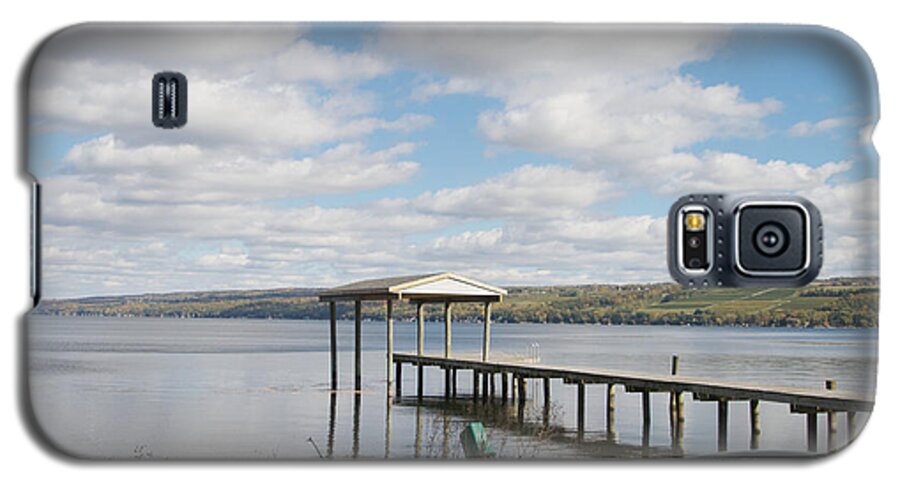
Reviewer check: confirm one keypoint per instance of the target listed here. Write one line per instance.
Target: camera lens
(694, 242)
(695, 263)
(771, 239)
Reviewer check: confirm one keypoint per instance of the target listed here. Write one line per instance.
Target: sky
(315, 155)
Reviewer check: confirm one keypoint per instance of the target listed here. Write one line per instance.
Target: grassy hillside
(829, 303)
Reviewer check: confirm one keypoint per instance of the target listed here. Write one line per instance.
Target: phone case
(440, 241)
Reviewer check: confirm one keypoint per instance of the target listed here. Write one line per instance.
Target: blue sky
(512, 155)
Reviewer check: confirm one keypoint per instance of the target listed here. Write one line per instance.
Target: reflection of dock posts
(417, 445)
(332, 411)
(357, 398)
(504, 387)
(755, 428)
(723, 425)
(445, 445)
(812, 431)
(420, 348)
(334, 366)
(357, 346)
(611, 411)
(580, 386)
(832, 419)
(387, 426)
(389, 314)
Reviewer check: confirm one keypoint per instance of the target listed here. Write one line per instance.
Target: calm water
(173, 388)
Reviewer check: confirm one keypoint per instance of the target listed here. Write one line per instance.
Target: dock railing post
(447, 323)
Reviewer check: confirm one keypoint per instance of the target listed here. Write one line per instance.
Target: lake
(217, 388)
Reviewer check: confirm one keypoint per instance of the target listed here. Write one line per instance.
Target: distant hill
(839, 302)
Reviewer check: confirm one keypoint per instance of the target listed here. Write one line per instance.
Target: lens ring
(694, 242)
(770, 239)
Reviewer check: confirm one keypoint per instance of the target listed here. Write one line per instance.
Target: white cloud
(526, 192)
(190, 173)
(808, 129)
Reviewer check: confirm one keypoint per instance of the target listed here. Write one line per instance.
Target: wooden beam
(333, 334)
(357, 346)
(420, 349)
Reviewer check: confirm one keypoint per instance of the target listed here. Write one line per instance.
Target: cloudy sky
(316, 155)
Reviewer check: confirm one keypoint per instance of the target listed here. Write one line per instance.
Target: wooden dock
(448, 289)
(829, 400)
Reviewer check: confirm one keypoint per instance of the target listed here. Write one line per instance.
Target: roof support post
(333, 331)
(486, 344)
(447, 318)
(357, 347)
(390, 343)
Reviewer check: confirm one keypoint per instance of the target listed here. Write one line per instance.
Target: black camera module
(717, 240)
(771, 239)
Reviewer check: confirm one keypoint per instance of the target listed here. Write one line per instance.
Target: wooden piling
(610, 407)
(475, 384)
(485, 384)
(332, 308)
(446, 383)
(580, 410)
(357, 346)
(851, 425)
(812, 431)
(645, 405)
(546, 392)
(453, 382)
(520, 384)
(399, 378)
(491, 384)
(504, 387)
(755, 428)
(831, 417)
(723, 425)
(420, 382)
(389, 314)
(676, 401)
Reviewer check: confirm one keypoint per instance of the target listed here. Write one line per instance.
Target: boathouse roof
(445, 287)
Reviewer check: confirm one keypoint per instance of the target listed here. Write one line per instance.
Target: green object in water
(475, 441)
